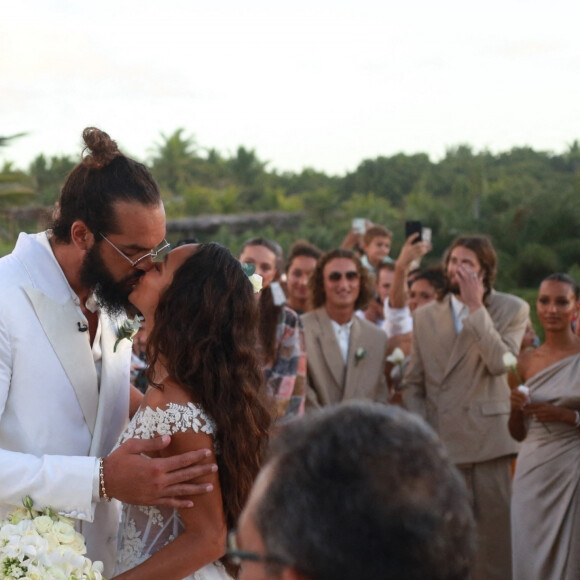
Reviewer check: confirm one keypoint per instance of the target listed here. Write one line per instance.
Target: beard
(112, 295)
(452, 286)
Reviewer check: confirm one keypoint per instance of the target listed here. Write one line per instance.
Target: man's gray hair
(363, 490)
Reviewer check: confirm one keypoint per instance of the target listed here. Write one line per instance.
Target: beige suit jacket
(458, 382)
(329, 379)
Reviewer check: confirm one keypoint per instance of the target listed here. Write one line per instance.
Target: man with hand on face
(64, 376)
(457, 381)
(346, 354)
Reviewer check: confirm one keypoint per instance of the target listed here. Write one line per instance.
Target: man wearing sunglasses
(346, 354)
(356, 491)
(64, 378)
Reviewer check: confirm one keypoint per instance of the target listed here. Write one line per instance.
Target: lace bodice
(146, 529)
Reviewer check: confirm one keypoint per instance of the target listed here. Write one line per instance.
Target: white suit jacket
(54, 417)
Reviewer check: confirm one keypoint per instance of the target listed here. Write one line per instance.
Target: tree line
(527, 201)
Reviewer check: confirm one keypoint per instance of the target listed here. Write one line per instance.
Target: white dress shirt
(342, 333)
(460, 312)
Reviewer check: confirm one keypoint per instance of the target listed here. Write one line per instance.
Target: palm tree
(173, 163)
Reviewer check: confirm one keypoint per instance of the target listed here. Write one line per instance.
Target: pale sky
(322, 84)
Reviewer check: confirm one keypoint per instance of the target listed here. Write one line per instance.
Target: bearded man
(457, 381)
(64, 384)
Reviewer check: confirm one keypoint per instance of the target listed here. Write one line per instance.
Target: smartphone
(413, 227)
(426, 234)
(359, 225)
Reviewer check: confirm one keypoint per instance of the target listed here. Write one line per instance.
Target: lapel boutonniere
(127, 330)
(359, 355)
(255, 279)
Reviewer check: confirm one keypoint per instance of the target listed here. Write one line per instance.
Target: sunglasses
(351, 276)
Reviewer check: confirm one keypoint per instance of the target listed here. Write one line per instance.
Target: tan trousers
(489, 484)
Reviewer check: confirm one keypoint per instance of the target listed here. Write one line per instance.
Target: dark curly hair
(103, 177)
(317, 279)
(204, 334)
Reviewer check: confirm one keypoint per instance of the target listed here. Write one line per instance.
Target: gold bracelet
(102, 481)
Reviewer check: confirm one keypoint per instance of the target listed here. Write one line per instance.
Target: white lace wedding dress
(144, 530)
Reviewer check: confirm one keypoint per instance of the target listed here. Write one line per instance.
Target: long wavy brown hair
(205, 336)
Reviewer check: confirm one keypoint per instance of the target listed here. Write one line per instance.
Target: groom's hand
(134, 478)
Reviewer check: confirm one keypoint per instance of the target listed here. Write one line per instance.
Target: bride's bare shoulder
(168, 392)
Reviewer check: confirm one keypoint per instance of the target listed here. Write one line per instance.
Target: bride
(206, 392)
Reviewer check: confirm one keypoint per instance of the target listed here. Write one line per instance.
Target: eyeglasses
(238, 556)
(157, 254)
(350, 276)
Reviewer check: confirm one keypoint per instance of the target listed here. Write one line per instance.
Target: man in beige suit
(457, 381)
(346, 354)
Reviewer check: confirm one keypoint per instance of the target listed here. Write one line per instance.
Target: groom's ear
(81, 236)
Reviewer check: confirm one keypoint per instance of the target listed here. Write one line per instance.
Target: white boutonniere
(127, 330)
(256, 281)
(359, 354)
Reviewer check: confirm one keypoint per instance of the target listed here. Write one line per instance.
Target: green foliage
(527, 201)
(48, 176)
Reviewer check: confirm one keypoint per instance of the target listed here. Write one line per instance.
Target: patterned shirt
(286, 374)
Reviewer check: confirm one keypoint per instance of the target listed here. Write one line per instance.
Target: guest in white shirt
(346, 354)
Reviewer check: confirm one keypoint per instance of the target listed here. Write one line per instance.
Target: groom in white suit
(64, 391)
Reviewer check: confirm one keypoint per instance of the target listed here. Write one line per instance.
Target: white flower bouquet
(41, 546)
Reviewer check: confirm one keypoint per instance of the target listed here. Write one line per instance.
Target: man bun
(101, 148)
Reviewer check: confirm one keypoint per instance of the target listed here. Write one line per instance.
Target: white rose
(93, 571)
(66, 520)
(78, 544)
(396, 357)
(70, 559)
(52, 539)
(33, 546)
(43, 524)
(256, 281)
(525, 390)
(64, 532)
(509, 360)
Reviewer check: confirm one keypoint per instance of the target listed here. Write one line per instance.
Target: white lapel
(73, 349)
(113, 410)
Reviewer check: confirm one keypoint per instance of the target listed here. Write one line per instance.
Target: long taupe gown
(546, 487)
